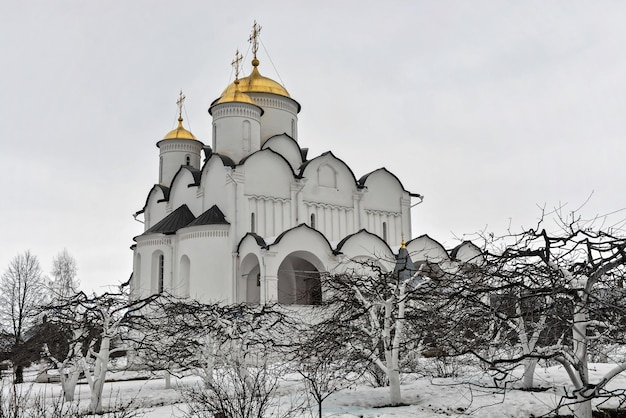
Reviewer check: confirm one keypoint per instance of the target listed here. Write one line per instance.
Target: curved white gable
(156, 207)
(384, 191)
(181, 193)
(366, 246)
(287, 147)
(303, 238)
(468, 252)
(215, 177)
(329, 180)
(267, 174)
(424, 248)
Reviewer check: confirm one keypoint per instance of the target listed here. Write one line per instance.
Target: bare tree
(557, 293)
(99, 321)
(64, 270)
(369, 311)
(186, 335)
(20, 300)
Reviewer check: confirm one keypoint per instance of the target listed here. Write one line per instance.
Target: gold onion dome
(254, 83)
(179, 132)
(234, 95)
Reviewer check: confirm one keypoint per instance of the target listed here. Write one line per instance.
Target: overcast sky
(490, 109)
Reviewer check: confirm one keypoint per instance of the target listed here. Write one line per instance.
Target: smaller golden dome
(234, 95)
(179, 132)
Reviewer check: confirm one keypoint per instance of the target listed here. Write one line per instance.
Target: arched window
(160, 274)
(160, 169)
(184, 276)
(313, 220)
(247, 136)
(252, 223)
(214, 135)
(384, 231)
(187, 159)
(293, 128)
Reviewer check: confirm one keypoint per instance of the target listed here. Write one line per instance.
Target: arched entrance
(299, 279)
(249, 286)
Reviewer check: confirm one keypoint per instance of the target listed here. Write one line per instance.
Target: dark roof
(259, 240)
(180, 218)
(213, 216)
(166, 196)
(197, 174)
(405, 269)
(226, 160)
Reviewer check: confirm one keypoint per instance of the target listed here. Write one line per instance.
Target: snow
(470, 394)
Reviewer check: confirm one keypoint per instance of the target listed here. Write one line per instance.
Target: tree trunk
(581, 409)
(18, 371)
(168, 380)
(394, 387)
(528, 379)
(68, 384)
(100, 372)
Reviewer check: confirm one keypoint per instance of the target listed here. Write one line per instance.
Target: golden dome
(234, 95)
(255, 83)
(179, 132)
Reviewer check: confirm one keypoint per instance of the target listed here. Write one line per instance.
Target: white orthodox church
(255, 219)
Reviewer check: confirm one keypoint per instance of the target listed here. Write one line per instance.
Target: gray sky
(488, 108)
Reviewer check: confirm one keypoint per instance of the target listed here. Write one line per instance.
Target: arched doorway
(249, 286)
(299, 279)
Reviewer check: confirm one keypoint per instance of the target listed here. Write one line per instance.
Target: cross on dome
(236, 63)
(254, 40)
(180, 102)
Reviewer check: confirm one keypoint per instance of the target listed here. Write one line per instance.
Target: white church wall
(267, 187)
(280, 115)
(267, 174)
(236, 129)
(334, 221)
(156, 208)
(174, 154)
(150, 273)
(182, 194)
(214, 184)
(210, 262)
(287, 147)
(382, 206)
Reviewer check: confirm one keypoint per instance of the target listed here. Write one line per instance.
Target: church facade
(252, 218)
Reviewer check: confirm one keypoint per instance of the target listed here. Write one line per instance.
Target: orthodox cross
(179, 102)
(254, 38)
(237, 63)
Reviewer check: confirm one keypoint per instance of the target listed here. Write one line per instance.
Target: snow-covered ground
(465, 396)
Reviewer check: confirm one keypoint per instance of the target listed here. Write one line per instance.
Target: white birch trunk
(97, 379)
(582, 407)
(528, 378)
